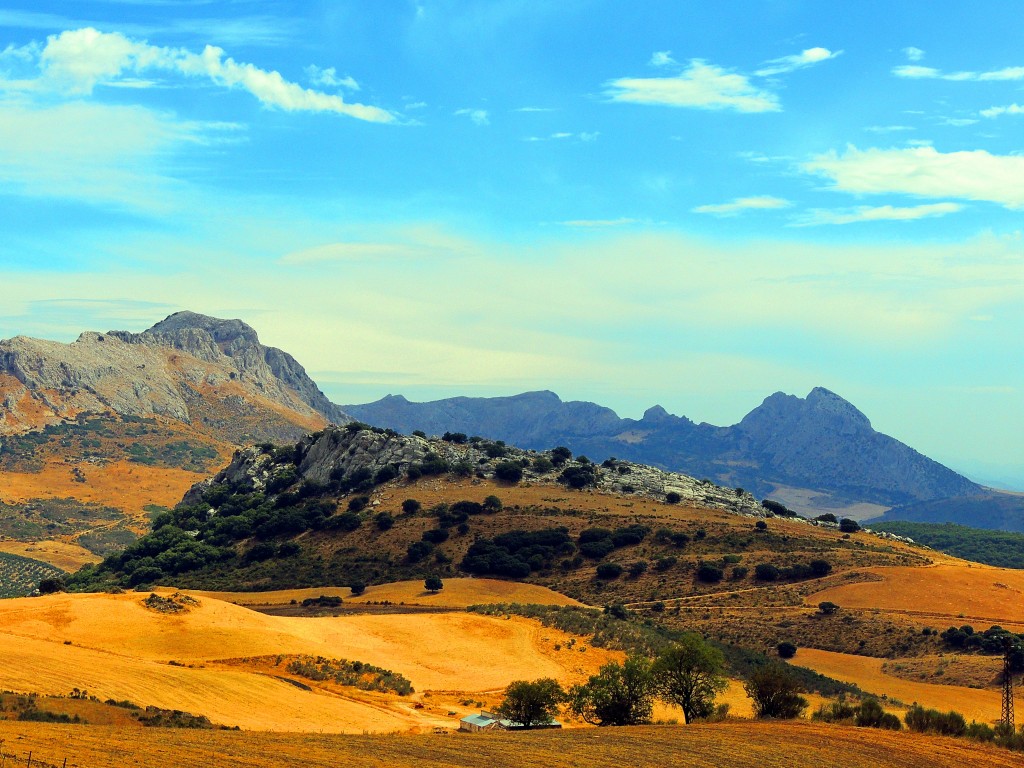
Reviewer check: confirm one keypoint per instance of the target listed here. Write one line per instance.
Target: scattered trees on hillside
(532, 703)
(689, 674)
(775, 691)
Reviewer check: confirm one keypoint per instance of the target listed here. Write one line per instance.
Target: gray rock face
(213, 339)
(821, 442)
(189, 367)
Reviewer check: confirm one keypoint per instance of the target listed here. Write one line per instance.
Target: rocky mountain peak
(222, 331)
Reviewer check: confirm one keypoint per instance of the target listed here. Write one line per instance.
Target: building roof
(481, 720)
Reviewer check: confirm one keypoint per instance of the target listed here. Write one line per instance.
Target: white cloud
(75, 62)
(959, 122)
(924, 171)
(796, 61)
(699, 86)
(915, 72)
(329, 78)
(661, 59)
(1009, 109)
(741, 204)
(583, 136)
(913, 54)
(888, 128)
(478, 116)
(819, 216)
(534, 109)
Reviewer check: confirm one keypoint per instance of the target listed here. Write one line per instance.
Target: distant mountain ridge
(820, 442)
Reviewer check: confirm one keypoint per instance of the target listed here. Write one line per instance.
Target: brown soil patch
(955, 593)
(724, 745)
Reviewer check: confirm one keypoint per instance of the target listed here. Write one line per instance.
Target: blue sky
(685, 203)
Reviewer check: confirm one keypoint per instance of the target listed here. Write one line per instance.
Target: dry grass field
(124, 485)
(61, 554)
(973, 703)
(457, 593)
(723, 745)
(115, 647)
(954, 592)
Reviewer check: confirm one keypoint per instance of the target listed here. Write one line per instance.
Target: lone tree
(620, 694)
(689, 675)
(776, 692)
(532, 703)
(433, 584)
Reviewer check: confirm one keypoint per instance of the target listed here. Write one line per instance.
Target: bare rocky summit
(209, 373)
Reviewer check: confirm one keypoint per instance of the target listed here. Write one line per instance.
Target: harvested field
(125, 485)
(952, 593)
(457, 593)
(60, 554)
(117, 648)
(973, 703)
(723, 745)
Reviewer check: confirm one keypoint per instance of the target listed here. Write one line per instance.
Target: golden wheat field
(457, 593)
(953, 592)
(115, 647)
(723, 745)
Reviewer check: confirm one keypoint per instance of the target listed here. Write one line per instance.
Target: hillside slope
(98, 434)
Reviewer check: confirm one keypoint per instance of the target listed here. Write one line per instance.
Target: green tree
(689, 675)
(775, 691)
(620, 694)
(532, 703)
(433, 584)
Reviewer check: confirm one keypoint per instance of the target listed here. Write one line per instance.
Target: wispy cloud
(796, 61)
(924, 171)
(699, 86)
(661, 59)
(888, 128)
(478, 116)
(913, 54)
(742, 204)
(74, 63)
(329, 78)
(1009, 109)
(534, 109)
(819, 216)
(582, 136)
(917, 72)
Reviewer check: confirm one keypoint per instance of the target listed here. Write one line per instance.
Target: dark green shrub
(411, 506)
(358, 503)
(638, 569)
(357, 587)
(384, 521)
(846, 525)
(786, 650)
(709, 573)
(347, 521)
(508, 471)
(608, 571)
(435, 536)
(820, 568)
(766, 572)
(418, 550)
(673, 498)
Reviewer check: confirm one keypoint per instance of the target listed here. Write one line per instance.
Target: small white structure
(474, 723)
